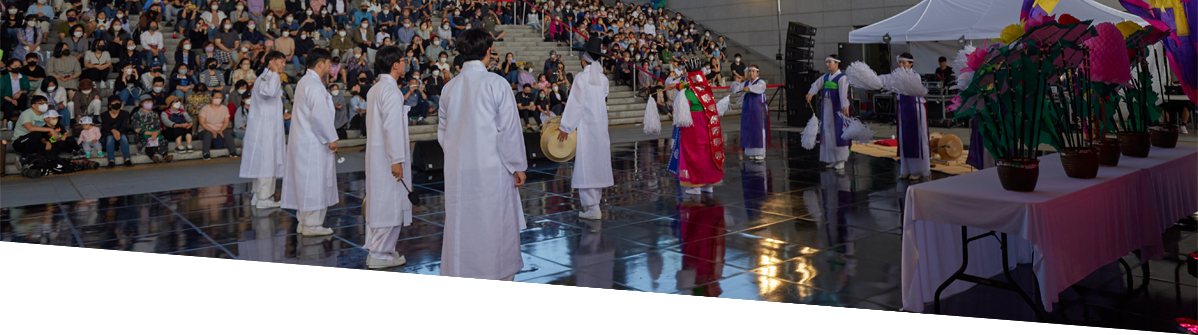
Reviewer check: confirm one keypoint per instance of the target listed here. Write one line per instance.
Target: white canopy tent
(931, 28)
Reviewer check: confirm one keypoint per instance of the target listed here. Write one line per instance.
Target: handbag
(218, 142)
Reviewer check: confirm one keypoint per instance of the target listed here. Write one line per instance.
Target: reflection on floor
(786, 230)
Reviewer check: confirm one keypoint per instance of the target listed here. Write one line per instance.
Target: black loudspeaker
(532, 146)
(799, 42)
(428, 156)
(800, 29)
(799, 54)
(797, 86)
(794, 67)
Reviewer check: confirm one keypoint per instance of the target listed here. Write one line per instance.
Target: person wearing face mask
(151, 44)
(341, 44)
(57, 96)
(227, 41)
(97, 63)
(31, 130)
(80, 100)
(415, 99)
(181, 83)
(386, 207)
(363, 36)
(63, 67)
(147, 123)
(444, 35)
(178, 125)
(114, 123)
(485, 160)
(286, 45)
(244, 72)
(252, 38)
(213, 17)
(357, 109)
(237, 97)
(157, 94)
(309, 171)
(15, 88)
(404, 34)
(263, 144)
(738, 68)
(212, 76)
(65, 142)
(77, 43)
(302, 47)
(214, 125)
(70, 20)
(340, 104)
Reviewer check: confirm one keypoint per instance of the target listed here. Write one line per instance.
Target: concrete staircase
(524, 42)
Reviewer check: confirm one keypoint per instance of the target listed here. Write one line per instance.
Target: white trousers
(311, 218)
(264, 188)
(490, 290)
(381, 241)
(590, 196)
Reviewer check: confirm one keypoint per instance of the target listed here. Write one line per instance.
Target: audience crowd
(110, 64)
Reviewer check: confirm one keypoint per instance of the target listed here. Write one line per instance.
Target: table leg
(1127, 270)
(1009, 285)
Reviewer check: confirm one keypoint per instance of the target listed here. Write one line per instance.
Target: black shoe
(128, 162)
(111, 164)
(233, 154)
(207, 157)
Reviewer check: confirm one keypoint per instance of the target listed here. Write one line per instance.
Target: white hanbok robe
(586, 113)
(310, 172)
(479, 129)
(264, 148)
(828, 151)
(387, 118)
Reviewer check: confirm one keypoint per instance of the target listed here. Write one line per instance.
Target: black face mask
(32, 64)
(114, 106)
(212, 66)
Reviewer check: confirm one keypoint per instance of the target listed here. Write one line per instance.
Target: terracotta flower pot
(1019, 175)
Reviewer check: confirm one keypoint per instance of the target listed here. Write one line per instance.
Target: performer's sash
(675, 148)
(908, 114)
(832, 92)
(702, 91)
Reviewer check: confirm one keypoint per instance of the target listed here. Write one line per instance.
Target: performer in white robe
(479, 130)
(387, 208)
(263, 149)
(754, 114)
(914, 155)
(586, 113)
(833, 149)
(310, 174)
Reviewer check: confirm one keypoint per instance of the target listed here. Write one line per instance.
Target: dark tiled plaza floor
(787, 230)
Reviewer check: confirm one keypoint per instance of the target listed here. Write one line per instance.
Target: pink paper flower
(1067, 19)
(1108, 56)
(977, 58)
(956, 103)
(1039, 20)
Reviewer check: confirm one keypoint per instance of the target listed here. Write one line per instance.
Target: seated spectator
(89, 138)
(56, 96)
(157, 94)
(357, 108)
(14, 96)
(114, 123)
(148, 126)
(415, 98)
(181, 82)
(178, 124)
(212, 76)
(28, 137)
(341, 108)
(432, 87)
(196, 101)
(214, 122)
(526, 105)
(128, 85)
(64, 141)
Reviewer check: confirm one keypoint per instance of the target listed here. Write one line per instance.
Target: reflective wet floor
(786, 230)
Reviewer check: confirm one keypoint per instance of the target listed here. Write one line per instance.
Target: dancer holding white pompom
(835, 150)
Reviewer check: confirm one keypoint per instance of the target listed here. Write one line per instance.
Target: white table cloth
(1067, 228)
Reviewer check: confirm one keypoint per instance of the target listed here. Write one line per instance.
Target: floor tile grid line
(193, 226)
(852, 300)
(75, 232)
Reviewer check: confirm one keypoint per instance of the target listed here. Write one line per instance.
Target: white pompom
(963, 80)
(652, 120)
(722, 105)
(810, 133)
(861, 76)
(906, 82)
(682, 110)
(857, 131)
(962, 60)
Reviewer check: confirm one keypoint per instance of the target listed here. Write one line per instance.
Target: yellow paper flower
(1010, 34)
(1128, 28)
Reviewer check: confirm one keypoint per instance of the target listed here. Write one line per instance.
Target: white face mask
(444, 59)
(436, 73)
(240, 7)
(128, 71)
(407, 25)
(445, 26)
(86, 92)
(244, 49)
(176, 105)
(457, 13)
(290, 19)
(51, 121)
(286, 33)
(241, 91)
(308, 12)
(303, 37)
(78, 34)
(335, 92)
(131, 47)
(215, 101)
(386, 11)
(12, 11)
(187, 47)
(30, 23)
(119, 15)
(365, 24)
(158, 89)
(50, 89)
(738, 59)
(228, 26)
(43, 108)
(251, 26)
(342, 33)
(247, 101)
(322, 12)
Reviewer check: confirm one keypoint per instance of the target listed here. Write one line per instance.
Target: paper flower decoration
(1037, 21)
(1067, 19)
(956, 103)
(1010, 34)
(1108, 56)
(977, 58)
(1128, 28)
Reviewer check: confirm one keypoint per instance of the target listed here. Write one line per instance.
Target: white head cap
(50, 113)
(85, 120)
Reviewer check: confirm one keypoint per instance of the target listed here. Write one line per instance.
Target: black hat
(594, 47)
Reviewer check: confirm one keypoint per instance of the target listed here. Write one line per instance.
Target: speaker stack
(800, 73)
(428, 156)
